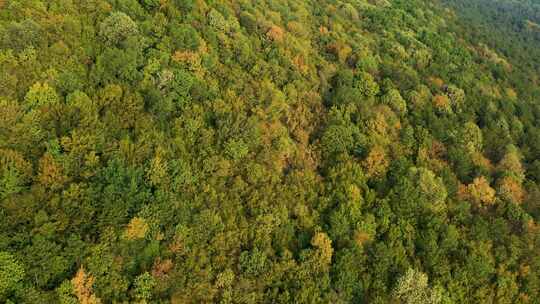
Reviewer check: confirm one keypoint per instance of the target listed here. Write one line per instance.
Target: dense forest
(279, 151)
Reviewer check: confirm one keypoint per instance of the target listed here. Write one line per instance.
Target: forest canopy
(281, 151)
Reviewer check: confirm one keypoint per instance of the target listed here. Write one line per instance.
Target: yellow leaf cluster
(136, 229)
(441, 102)
(340, 50)
(51, 173)
(376, 162)
(361, 237)
(511, 189)
(324, 245)
(481, 192)
(82, 285)
(275, 33)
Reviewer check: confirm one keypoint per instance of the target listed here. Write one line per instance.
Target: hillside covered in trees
(279, 151)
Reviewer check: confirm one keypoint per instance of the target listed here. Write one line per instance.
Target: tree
(11, 275)
(510, 189)
(66, 295)
(41, 94)
(472, 137)
(511, 163)
(21, 35)
(136, 229)
(430, 187)
(248, 21)
(366, 85)
(151, 4)
(338, 139)
(236, 149)
(51, 172)
(376, 162)
(413, 288)
(394, 100)
(253, 262)
(116, 64)
(340, 49)
(340, 135)
(15, 172)
(117, 27)
(10, 182)
(456, 95)
(442, 103)
(45, 250)
(216, 20)
(185, 37)
(324, 250)
(143, 286)
(82, 285)
(275, 33)
(481, 192)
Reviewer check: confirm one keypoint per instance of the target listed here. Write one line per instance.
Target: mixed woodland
(277, 151)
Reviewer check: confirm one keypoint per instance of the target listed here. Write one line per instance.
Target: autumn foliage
(203, 151)
(82, 286)
(481, 192)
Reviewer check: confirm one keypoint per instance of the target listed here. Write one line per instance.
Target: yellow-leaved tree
(82, 287)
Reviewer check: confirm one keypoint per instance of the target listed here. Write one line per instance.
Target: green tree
(117, 27)
(41, 94)
(66, 294)
(143, 286)
(366, 85)
(511, 163)
(413, 288)
(431, 188)
(394, 100)
(185, 37)
(11, 275)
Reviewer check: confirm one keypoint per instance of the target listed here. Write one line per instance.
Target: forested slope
(283, 151)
